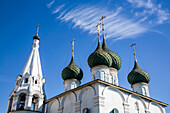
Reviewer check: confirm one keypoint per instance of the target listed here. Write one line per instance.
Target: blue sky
(144, 22)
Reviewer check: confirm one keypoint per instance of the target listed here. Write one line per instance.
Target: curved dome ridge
(99, 57)
(72, 71)
(138, 75)
(116, 61)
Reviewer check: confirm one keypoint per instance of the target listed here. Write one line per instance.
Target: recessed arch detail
(160, 107)
(21, 91)
(117, 90)
(139, 98)
(82, 91)
(65, 96)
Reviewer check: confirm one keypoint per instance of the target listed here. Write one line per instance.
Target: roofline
(108, 84)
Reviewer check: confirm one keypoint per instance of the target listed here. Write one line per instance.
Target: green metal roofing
(137, 75)
(99, 57)
(72, 71)
(116, 61)
(36, 37)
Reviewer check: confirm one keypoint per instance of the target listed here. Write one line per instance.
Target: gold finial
(37, 29)
(98, 26)
(73, 47)
(102, 19)
(133, 44)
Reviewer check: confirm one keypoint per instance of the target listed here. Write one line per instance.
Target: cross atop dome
(37, 29)
(133, 44)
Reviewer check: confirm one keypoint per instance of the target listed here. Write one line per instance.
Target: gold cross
(98, 25)
(73, 47)
(37, 29)
(102, 22)
(133, 44)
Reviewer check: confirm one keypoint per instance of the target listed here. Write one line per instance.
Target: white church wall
(100, 98)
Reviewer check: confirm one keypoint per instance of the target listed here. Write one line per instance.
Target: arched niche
(114, 89)
(53, 108)
(86, 98)
(156, 108)
(114, 98)
(68, 103)
(136, 104)
(85, 89)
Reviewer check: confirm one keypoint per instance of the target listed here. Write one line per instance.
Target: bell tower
(28, 94)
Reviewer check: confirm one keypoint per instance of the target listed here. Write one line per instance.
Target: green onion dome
(137, 75)
(36, 37)
(72, 71)
(99, 57)
(116, 61)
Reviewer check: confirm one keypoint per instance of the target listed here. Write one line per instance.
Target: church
(102, 94)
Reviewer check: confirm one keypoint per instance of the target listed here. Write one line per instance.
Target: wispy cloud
(119, 23)
(58, 9)
(50, 4)
(116, 24)
(151, 9)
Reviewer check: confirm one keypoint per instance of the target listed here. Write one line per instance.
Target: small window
(35, 81)
(114, 111)
(85, 110)
(26, 80)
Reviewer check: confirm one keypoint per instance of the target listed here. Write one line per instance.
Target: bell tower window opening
(26, 80)
(21, 103)
(34, 105)
(36, 82)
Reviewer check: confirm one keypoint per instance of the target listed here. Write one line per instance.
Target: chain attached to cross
(98, 26)
(133, 44)
(37, 29)
(73, 47)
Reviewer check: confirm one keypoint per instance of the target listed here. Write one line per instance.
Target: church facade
(100, 95)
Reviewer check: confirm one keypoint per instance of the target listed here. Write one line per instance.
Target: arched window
(21, 103)
(85, 110)
(98, 75)
(114, 111)
(144, 91)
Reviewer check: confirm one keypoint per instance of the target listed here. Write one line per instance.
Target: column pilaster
(126, 107)
(40, 103)
(15, 102)
(99, 104)
(28, 102)
(78, 107)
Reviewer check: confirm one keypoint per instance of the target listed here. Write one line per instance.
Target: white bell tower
(28, 94)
